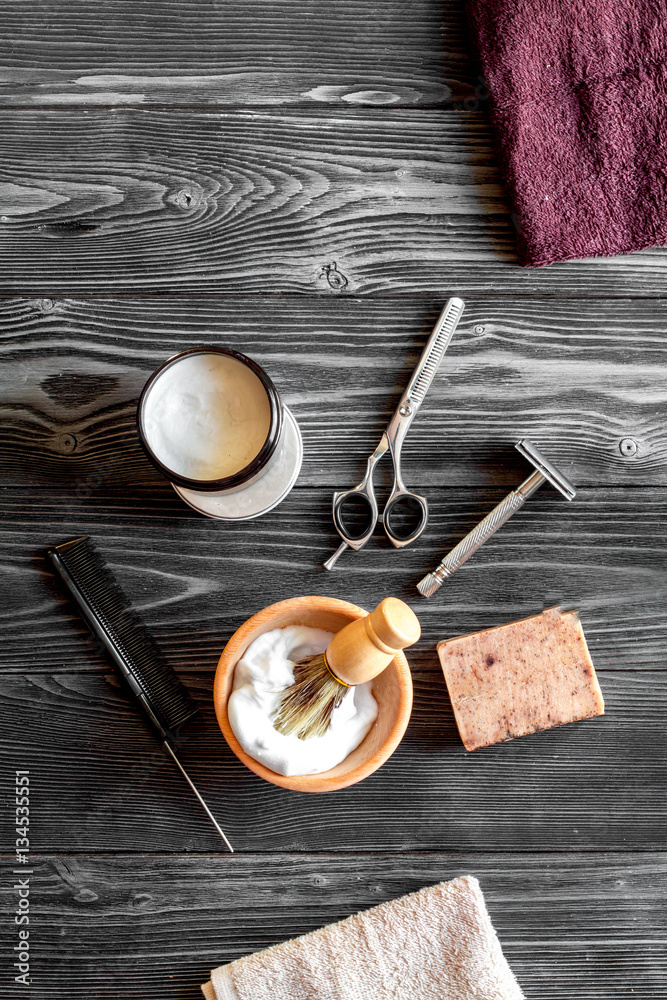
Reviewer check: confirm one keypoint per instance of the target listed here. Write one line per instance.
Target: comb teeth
(428, 586)
(96, 591)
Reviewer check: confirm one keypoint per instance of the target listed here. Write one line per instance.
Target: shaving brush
(358, 653)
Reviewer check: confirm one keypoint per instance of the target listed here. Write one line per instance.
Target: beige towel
(436, 944)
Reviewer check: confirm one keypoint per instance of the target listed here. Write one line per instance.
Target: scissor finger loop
(404, 518)
(356, 524)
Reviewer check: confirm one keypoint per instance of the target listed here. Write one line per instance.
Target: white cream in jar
(207, 417)
(261, 675)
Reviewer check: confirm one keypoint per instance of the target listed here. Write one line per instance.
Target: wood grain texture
(258, 201)
(308, 183)
(100, 781)
(571, 926)
(273, 52)
(582, 379)
(195, 580)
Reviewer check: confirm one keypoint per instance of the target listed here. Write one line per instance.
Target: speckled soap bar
(520, 678)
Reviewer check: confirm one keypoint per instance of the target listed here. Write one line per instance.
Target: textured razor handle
(479, 534)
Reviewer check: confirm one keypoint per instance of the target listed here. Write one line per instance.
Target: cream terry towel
(436, 944)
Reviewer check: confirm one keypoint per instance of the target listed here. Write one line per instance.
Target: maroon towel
(578, 95)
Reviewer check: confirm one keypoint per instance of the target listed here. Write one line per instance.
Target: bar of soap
(520, 678)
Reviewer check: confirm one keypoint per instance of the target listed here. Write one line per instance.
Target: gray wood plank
(583, 379)
(321, 233)
(276, 52)
(196, 580)
(257, 201)
(101, 783)
(570, 926)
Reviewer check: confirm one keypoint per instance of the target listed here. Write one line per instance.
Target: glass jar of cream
(212, 422)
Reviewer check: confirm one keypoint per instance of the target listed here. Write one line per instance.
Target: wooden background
(177, 174)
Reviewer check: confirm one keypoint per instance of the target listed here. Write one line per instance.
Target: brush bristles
(306, 707)
(428, 586)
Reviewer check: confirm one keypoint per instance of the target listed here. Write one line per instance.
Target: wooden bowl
(392, 690)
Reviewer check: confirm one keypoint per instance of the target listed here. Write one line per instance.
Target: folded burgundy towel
(578, 100)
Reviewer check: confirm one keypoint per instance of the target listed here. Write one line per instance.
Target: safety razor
(544, 472)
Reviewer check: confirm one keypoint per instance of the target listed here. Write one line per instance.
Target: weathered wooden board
(124, 927)
(309, 186)
(587, 382)
(259, 201)
(196, 580)
(100, 782)
(268, 52)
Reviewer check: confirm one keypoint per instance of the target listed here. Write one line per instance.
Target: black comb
(106, 611)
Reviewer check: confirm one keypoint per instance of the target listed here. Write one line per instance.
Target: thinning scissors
(405, 513)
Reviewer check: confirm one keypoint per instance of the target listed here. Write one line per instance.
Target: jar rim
(260, 460)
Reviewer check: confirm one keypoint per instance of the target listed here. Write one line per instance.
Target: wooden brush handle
(363, 649)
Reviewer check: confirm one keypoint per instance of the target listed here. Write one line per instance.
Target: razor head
(543, 465)
(428, 586)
